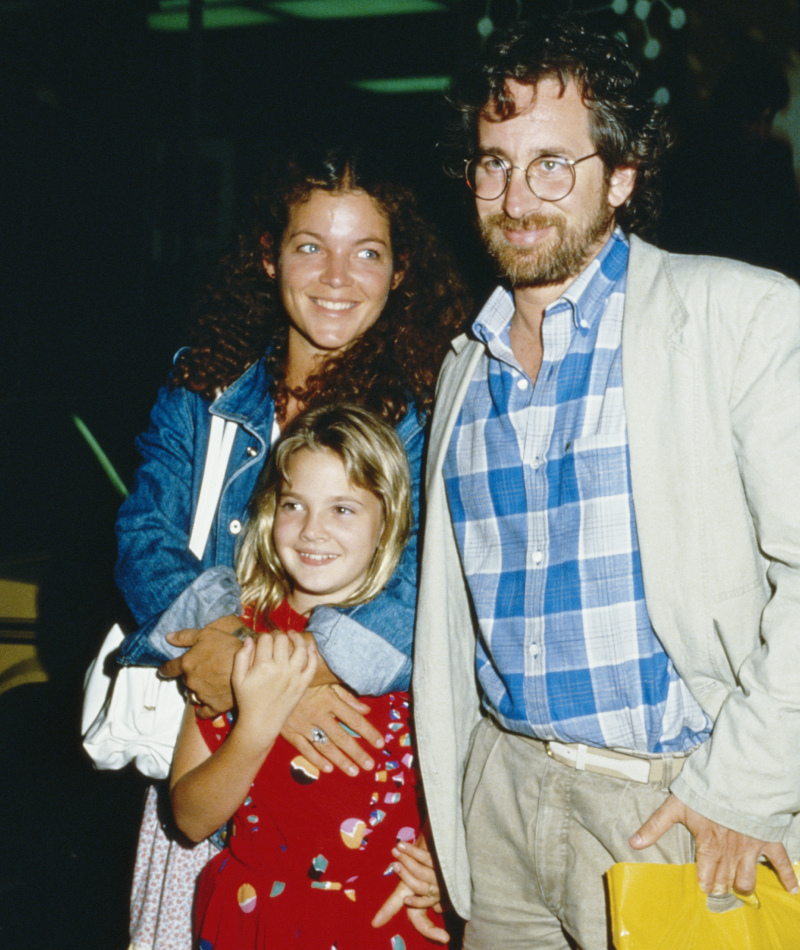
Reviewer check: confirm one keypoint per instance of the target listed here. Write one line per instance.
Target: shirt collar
(585, 296)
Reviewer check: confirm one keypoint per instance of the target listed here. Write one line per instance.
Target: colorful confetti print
(246, 897)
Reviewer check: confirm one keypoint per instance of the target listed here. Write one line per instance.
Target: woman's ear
(400, 273)
(267, 255)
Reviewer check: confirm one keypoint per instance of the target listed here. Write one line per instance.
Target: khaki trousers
(540, 835)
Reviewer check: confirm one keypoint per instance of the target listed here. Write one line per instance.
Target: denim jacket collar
(247, 400)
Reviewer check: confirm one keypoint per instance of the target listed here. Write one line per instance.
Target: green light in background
(100, 455)
(349, 9)
(174, 17)
(404, 84)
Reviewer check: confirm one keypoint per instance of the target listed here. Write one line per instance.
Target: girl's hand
(414, 866)
(417, 916)
(270, 675)
(417, 891)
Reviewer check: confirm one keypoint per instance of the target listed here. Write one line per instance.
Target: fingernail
(352, 770)
(369, 765)
(636, 840)
(401, 846)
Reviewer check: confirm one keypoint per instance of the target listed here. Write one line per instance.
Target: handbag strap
(220, 444)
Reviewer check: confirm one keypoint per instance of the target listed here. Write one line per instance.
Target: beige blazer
(711, 380)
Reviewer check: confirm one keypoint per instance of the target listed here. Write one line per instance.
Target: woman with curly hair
(338, 292)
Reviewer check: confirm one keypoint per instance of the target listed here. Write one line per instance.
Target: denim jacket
(368, 646)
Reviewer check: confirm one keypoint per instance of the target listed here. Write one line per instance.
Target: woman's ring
(432, 891)
(317, 735)
(194, 698)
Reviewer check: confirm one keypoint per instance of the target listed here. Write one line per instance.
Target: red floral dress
(308, 858)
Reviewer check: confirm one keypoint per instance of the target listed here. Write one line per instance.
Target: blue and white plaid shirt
(538, 482)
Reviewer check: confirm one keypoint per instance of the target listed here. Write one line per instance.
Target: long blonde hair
(374, 460)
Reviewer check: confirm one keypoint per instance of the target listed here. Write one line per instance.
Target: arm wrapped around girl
(309, 858)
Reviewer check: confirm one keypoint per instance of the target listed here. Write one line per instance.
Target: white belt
(634, 768)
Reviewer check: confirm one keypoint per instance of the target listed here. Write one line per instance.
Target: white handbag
(130, 715)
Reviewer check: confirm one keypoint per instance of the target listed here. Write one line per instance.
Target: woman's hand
(270, 675)
(322, 710)
(207, 665)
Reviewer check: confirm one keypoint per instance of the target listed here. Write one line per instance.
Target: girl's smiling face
(335, 271)
(326, 530)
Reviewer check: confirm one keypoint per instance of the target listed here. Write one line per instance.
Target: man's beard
(550, 263)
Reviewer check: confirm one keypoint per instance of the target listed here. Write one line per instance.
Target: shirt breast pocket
(598, 465)
(596, 509)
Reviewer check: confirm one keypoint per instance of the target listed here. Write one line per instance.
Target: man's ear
(267, 256)
(621, 185)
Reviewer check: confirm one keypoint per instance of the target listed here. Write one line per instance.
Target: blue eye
(493, 165)
(368, 254)
(308, 248)
(550, 166)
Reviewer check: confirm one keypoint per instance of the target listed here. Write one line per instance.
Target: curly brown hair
(628, 128)
(239, 318)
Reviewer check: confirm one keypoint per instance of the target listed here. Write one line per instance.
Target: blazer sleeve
(746, 777)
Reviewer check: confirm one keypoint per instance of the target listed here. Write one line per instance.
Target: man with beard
(605, 661)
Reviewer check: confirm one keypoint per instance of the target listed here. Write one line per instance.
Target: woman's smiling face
(335, 270)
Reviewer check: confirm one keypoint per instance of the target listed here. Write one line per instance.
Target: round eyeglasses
(549, 177)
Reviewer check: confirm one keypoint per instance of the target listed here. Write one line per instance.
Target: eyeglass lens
(548, 178)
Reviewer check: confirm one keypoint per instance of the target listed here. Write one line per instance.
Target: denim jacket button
(252, 451)
(235, 526)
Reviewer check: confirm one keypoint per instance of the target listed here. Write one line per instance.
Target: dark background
(126, 156)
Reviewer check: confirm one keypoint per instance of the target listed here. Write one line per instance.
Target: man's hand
(207, 665)
(725, 859)
(323, 707)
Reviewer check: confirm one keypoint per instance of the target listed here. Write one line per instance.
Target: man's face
(539, 242)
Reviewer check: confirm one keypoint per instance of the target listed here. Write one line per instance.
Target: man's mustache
(528, 223)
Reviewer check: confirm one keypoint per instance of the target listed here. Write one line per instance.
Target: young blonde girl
(309, 856)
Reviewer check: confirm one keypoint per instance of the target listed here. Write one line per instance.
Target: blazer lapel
(659, 386)
(453, 385)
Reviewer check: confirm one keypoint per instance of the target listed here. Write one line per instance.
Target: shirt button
(533, 649)
(537, 557)
(235, 526)
(536, 463)
(252, 451)
(522, 384)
